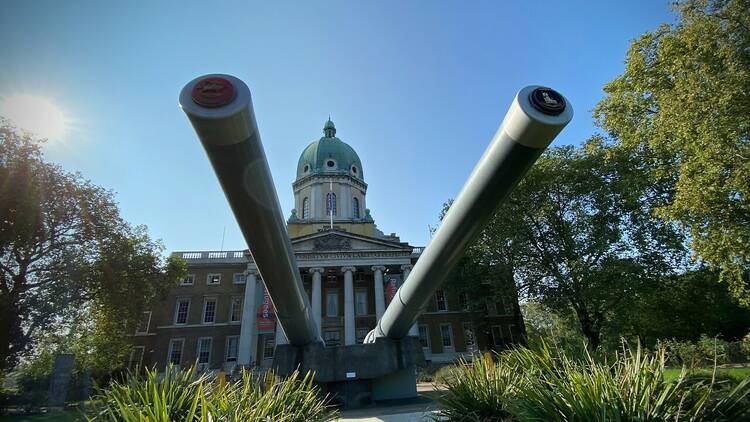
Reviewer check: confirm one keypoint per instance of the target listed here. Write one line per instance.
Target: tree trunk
(11, 334)
(588, 328)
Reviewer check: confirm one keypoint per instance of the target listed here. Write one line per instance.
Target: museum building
(220, 315)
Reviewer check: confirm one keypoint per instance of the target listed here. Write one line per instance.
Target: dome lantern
(329, 129)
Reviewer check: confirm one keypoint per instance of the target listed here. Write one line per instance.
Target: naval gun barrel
(221, 111)
(535, 117)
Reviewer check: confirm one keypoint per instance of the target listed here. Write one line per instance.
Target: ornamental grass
(186, 395)
(543, 385)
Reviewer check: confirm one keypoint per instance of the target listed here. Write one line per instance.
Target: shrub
(705, 352)
(480, 391)
(427, 373)
(291, 399)
(445, 373)
(549, 385)
(188, 396)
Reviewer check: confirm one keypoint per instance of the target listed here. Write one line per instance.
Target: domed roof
(329, 155)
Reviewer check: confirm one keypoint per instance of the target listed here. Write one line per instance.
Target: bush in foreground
(188, 396)
(523, 384)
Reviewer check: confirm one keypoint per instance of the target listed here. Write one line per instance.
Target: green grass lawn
(59, 416)
(735, 373)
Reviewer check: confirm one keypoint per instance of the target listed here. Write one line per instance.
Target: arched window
(355, 208)
(331, 203)
(305, 208)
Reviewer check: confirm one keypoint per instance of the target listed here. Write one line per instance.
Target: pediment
(335, 240)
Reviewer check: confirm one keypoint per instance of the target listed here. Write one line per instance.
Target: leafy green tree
(69, 264)
(575, 234)
(682, 105)
(556, 328)
(683, 307)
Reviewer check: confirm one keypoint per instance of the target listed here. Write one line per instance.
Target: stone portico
(330, 261)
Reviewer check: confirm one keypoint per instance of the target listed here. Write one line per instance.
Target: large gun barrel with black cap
(221, 111)
(536, 116)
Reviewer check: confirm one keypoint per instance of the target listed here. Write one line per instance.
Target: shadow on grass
(51, 416)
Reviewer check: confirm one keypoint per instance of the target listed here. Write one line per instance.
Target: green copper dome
(329, 155)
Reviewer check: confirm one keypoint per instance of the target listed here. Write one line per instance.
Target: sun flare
(35, 114)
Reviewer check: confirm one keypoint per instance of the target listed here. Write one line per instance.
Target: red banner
(266, 319)
(390, 290)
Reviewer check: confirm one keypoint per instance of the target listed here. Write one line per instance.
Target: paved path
(419, 409)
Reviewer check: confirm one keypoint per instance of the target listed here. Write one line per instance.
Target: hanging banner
(266, 318)
(393, 282)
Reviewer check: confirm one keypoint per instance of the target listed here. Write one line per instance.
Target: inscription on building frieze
(306, 256)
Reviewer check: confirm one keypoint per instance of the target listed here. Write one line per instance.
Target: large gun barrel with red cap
(535, 117)
(221, 111)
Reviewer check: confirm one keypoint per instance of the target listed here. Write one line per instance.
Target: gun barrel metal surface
(535, 117)
(221, 111)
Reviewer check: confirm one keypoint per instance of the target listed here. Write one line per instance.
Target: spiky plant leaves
(549, 385)
(185, 395)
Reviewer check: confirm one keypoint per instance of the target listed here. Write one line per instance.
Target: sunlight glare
(35, 114)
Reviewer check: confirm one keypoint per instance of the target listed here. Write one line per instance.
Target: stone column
(379, 295)
(248, 342)
(349, 330)
(317, 296)
(406, 269)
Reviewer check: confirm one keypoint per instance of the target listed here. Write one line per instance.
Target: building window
(361, 334)
(332, 337)
(330, 203)
(491, 307)
(331, 164)
(175, 351)
(239, 278)
(332, 303)
(188, 280)
(354, 169)
(446, 333)
(306, 208)
(181, 311)
(306, 168)
(213, 279)
(511, 327)
(464, 299)
(505, 305)
(209, 310)
(497, 335)
(268, 347)
(355, 208)
(232, 348)
(235, 309)
(136, 357)
(441, 302)
(143, 324)
(360, 302)
(424, 337)
(469, 337)
(203, 354)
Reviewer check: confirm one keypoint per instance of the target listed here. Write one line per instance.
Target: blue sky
(418, 88)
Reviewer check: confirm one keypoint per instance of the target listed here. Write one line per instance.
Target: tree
(683, 307)
(66, 255)
(559, 327)
(682, 105)
(577, 233)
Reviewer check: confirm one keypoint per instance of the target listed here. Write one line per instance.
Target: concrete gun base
(359, 374)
